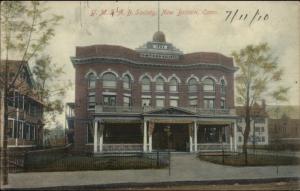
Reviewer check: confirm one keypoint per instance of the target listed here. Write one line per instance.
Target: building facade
(153, 98)
(285, 130)
(259, 122)
(25, 109)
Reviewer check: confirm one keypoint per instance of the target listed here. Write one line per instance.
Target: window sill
(213, 91)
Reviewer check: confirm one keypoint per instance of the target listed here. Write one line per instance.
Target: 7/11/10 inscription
(236, 15)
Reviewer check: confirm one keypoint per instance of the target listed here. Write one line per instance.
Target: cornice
(115, 60)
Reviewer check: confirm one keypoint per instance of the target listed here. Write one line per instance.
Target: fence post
(157, 159)
(25, 162)
(223, 160)
(169, 162)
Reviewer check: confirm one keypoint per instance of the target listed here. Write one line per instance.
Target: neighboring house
(258, 125)
(70, 115)
(284, 124)
(153, 98)
(25, 120)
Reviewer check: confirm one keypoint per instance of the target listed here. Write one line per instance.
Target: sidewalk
(183, 168)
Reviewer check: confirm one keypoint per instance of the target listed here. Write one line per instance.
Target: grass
(253, 160)
(80, 163)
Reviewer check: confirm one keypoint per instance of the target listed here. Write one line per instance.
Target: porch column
(101, 128)
(191, 137)
(150, 131)
(235, 136)
(195, 136)
(95, 135)
(145, 137)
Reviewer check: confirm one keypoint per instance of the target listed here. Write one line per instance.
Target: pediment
(171, 111)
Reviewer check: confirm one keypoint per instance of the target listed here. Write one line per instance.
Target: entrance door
(176, 141)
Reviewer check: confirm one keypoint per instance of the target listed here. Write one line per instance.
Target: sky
(191, 26)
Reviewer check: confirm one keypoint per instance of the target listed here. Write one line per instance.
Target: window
(263, 139)
(91, 80)
(192, 85)
(109, 80)
(174, 102)
(240, 139)
(193, 102)
(223, 87)
(209, 103)
(127, 101)
(257, 129)
(109, 100)
(159, 84)
(209, 85)
(262, 129)
(145, 101)
(127, 82)
(259, 120)
(160, 102)
(222, 104)
(173, 85)
(145, 84)
(10, 128)
(91, 100)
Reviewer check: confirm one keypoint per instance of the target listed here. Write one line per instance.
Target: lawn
(253, 160)
(78, 163)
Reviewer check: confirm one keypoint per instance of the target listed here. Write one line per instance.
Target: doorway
(174, 137)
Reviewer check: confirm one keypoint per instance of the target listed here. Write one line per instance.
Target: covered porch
(172, 130)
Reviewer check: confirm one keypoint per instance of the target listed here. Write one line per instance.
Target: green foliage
(27, 29)
(258, 71)
(49, 88)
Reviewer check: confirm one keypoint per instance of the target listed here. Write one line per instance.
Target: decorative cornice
(112, 60)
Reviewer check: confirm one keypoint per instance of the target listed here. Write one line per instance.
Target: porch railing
(122, 147)
(121, 109)
(205, 147)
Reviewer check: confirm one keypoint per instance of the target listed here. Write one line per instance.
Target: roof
(292, 111)
(14, 65)
(256, 110)
(116, 51)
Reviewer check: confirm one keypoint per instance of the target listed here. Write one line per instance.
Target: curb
(160, 184)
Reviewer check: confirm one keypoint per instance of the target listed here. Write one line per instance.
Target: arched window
(159, 84)
(192, 85)
(91, 80)
(127, 82)
(173, 85)
(209, 85)
(145, 84)
(109, 80)
(223, 87)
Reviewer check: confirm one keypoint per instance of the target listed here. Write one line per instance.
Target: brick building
(153, 98)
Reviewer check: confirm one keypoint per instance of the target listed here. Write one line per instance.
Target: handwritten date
(237, 15)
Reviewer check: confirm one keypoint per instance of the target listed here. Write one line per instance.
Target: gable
(171, 111)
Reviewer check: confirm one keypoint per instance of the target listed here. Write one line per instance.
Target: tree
(258, 77)
(26, 30)
(49, 88)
